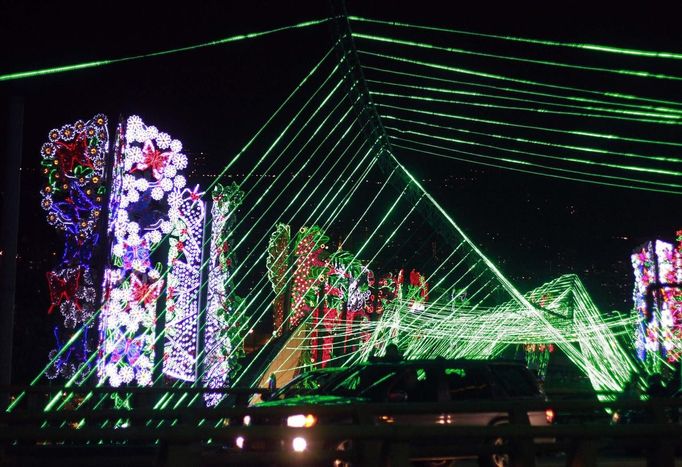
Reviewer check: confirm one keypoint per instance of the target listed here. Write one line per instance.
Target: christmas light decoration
(73, 162)
(187, 212)
(277, 266)
(310, 242)
(221, 335)
(657, 301)
(146, 169)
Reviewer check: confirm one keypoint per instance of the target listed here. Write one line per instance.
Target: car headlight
(299, 444)
(239, 441)
(247, 420)
(301, 421)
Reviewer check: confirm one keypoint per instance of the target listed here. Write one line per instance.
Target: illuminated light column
(277, 265)
(146, 165)
(653, 315)
(310, 243)
(221, 299)
(187, 212)
(73, 162)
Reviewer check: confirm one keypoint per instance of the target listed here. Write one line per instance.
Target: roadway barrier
(201, 436)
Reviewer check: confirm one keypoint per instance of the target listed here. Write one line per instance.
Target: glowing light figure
(184, 278)
(144, 162)
(73, 162)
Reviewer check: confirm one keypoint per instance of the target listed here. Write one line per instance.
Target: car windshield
(378, 382)
(515, 380)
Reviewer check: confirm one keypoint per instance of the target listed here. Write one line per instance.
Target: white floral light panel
(187, 213)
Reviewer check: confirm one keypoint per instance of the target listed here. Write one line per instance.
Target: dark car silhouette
(406, 382)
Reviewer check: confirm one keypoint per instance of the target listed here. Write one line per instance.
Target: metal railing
(202, 436)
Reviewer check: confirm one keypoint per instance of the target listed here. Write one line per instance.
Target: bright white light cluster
(217, 344)
(655, 322)
(182, 295)
(146, 165)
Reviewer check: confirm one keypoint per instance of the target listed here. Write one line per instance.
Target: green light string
(525, 40)
(594, 150)
(100, 63)
(638, 109)
(524, 109)
(671, 118)
(462, 333)
(557, 158)
(533, 127)
(480, 74)
(453, 50)
(532, 172)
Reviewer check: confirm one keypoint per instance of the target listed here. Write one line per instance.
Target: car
(406, 382)
(307, 383)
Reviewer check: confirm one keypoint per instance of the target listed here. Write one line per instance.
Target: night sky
(214, 99)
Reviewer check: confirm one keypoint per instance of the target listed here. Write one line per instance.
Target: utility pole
(9, 228)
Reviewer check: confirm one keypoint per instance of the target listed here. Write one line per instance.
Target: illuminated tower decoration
(658, 301)
(73, 162)
(278, 265)
(310, 242)
(220, 331)
(146, 165)
(187, 212)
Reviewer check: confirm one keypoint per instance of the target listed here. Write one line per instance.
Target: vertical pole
(9, 228)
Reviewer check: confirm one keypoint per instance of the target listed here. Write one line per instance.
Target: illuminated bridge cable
(643, 109)
(594, 150)
(348, 195)
(525, 40)
(661, 120)
(533, 127)
(319, 186)
(100, 63)
(480, 74)
(375, 231)
(557, 158)
(534, 172)
(453, 50)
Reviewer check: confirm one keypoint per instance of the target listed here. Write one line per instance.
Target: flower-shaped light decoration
(184, 277)
(146, 169)
(73, 163)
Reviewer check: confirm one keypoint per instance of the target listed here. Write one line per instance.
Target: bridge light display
(146, 166)
(73, 163)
